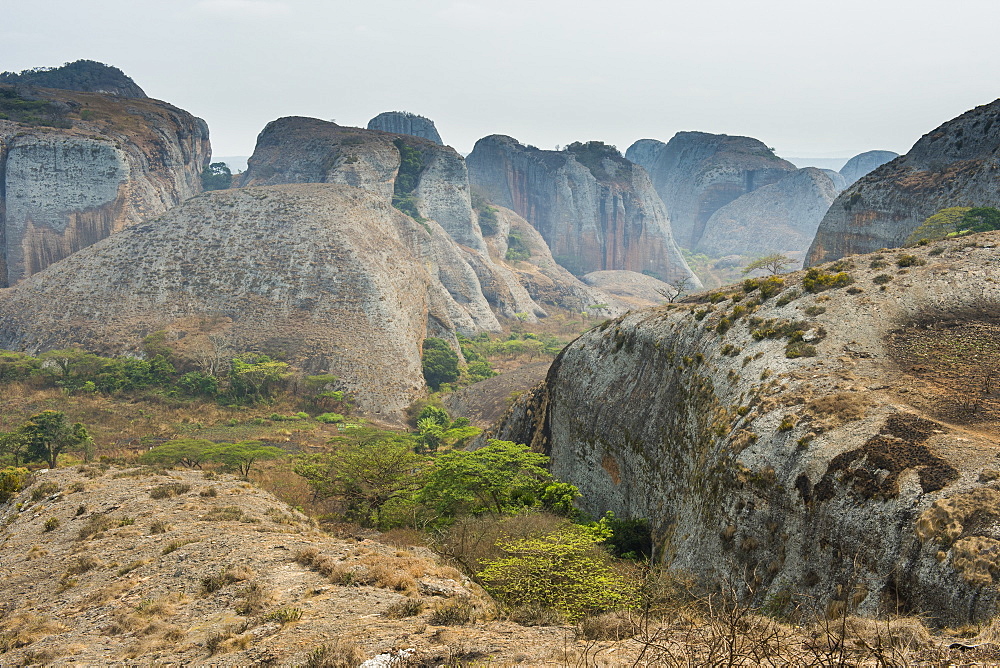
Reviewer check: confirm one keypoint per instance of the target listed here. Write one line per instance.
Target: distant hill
(88, 76)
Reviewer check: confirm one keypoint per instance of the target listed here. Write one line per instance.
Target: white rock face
(864, 163)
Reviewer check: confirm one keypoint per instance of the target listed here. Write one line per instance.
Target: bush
(439, 363)
(12, 480)
(907, 260)
(817, 280)
(52, 524)
(881, 279)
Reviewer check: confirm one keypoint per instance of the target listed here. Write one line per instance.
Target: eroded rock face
(300, 150)
(778, 218)
(330, 276)
(64, 189)
(865, 162)
(589, 223)
(807, 449)
(405, 123)
(958, 164)
(697, 173)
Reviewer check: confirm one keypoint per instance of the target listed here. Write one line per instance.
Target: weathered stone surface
(697, 173)
(589, 223)
(957, 164)
(863, 163)
(331, 276)
(778, 218)
(833, 477)
(639, 290)
(300, 150)
(64, 189)
(839, 182)
(405, 123)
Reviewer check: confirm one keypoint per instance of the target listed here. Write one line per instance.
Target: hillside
(831, 432)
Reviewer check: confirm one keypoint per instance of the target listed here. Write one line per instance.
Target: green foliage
(78, 75)
(15, 106)
(198, 384)
(592, 155)
(51, 524)
(630, 539)
(980, 219)
(243, 455)
(364, 476)
(502, 477)
(440, 363)
(49, 435)
(216, 177)
(487, 214)
(882, 279)
(330, 418)
(256, 377)
(775, 263)
(407, 177)
(817, 280)
(187, 452)
(12, 480)
(563, 570)
(907, 260)
(939, 225)
(517, 249)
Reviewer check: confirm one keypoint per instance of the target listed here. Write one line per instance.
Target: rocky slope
(778, 218)
(405, 123)
(602, 215)
(215, 571)
(697, 173)
(957, 164)
(835, 449)
(299, 150)
(863, 163)
(329, 277)
(116, 162)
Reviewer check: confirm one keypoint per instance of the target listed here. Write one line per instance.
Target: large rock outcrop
(863, 163)
(778, 218)
(432, 185)
(116, 162)
(697, 173)
(594, 209)
(331, 277)
(833, 450)
(958, 164)
(405, 123)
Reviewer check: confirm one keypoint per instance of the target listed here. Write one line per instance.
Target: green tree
(12, 480)
(16, 444)
(563, 570)
(243, 455)
(440, 363)
(364, 477)
(49, 435)
(773, 264)
(216, 177)
(187, 452)
(980, 219)
(939, 225)
(257, 377)
(500, 478)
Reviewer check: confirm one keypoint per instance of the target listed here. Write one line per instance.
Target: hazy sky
(809, 78)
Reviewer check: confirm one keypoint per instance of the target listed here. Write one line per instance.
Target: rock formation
(835, 450)
(839, 182)
(863, 163)
(113, 163)
(299, 150)
(331, 277)
(86, 76)
(405, 123)
(697, 173)
(594, 209)
(778, 218)
(958, 164)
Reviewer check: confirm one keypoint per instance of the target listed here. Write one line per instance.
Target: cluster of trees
(77, 75)
(44, 437)
(15, 107)
(250, 378)
(592, 155)
(217, 176)
(955, 221)
(194, 453)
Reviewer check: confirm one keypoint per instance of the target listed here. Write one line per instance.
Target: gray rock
(957, 164)
(602, 217)
(405, 123)
(839, 182)
(64, 189)
(778, 218)
(863, 163)
(697, 173)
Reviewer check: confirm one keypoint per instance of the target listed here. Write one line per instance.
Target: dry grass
(337, 654)
(398, 572)
(23, 629)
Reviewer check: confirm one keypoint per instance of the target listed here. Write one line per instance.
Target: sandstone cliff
(958, 164)
(116, 162)
(778, 218)
(696, 173)
(863, 163)
(835, 450)
(330, 277)
(433, 184)
(595, 210)
(405, 123)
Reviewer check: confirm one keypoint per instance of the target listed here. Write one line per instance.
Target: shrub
(815, 310)
(52, 524)
(454, 613)
(817, 280)
(340, 654)
(284, 615)
(169, 489)
(406, 607)
(799, 349)
(43, 490)
(330, 418)
(225, 577)
(158, 527)
(175, 545)
(881, 279)
(907, 260)
(439, 363)
(95, 525)
(12, 480)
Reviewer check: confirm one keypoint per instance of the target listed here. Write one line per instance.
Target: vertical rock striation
(405, 123)
(603, 215)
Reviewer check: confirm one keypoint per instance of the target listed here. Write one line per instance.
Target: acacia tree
(49, 435)
(188, 452)
(243, 455)
(773, 264)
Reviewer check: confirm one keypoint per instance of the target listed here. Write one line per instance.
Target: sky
(808, 78)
